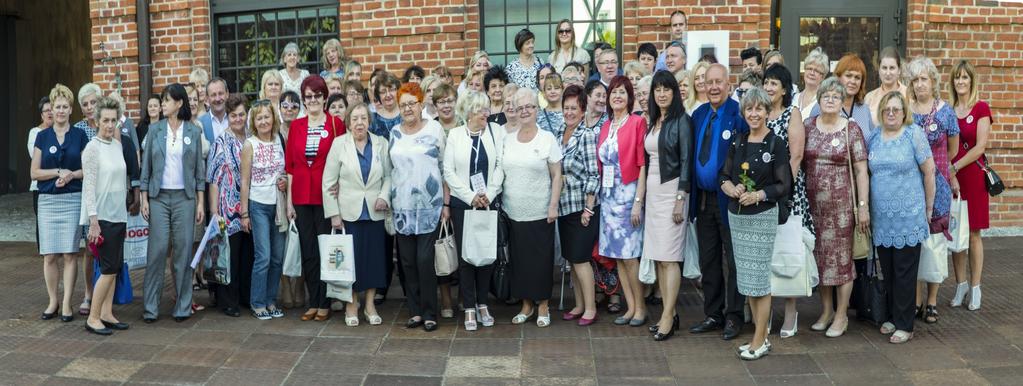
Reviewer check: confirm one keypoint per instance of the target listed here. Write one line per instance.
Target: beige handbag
(445, 253)
(861, 240)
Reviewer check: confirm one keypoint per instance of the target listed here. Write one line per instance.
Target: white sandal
(522, 318)
(351, 321)
(470, 320)
(374, 320)
(887, 328)
(484, 314)
(543, 320)
(900, 337)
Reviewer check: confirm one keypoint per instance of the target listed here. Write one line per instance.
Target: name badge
(835, 142)
(933, 127)
(726, 135)
(478, 184)
(969, 119)
(124, 130)
(323, 134)
(608, 179)
(53, 150)
(766, 157)
(187, 140)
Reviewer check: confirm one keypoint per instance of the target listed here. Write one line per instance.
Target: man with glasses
(607, 66)
(598, 50)
(716, 124)
(679, 23)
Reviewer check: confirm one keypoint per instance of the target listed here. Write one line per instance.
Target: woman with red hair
(305, 156)
(851, 73)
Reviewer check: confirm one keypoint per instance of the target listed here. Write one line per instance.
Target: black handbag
(500, 280)
(992, 181)
(869, 295)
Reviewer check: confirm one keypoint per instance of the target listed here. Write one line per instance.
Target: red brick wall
(990, 35)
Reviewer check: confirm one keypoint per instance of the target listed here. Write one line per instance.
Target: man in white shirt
(679, 25)
(675, 57)
(215, 122)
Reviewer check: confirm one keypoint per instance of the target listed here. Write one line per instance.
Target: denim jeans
(269, 256)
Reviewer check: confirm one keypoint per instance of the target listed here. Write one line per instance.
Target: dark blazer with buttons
(675, 150)
(155, 155)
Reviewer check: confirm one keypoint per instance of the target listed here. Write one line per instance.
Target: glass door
(863, 27)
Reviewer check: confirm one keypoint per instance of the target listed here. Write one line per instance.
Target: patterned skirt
(59, 231)
(753, 246)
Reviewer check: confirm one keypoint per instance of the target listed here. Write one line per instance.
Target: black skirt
(531, 259)
(111, 252)
(577, 241)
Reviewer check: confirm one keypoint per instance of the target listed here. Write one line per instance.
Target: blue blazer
(728, 118)
(207, 127)
(155, 155)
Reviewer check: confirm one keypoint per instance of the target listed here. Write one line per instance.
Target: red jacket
(306, 179)
(631, 154)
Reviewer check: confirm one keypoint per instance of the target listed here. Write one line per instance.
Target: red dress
(971, 177)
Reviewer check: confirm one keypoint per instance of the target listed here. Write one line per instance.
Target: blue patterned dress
(940, 124)
(618, 238)
(224, 170)
(897, 201)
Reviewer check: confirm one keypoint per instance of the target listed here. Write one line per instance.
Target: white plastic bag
(647, 271)
(479, 237)
(792, 261)
(691, 253)
(337, 258)
(292, 253)
(960, 226)
(136, 242)
(933, 259)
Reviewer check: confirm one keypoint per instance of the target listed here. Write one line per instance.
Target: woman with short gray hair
(815, 67)
(757, 178)
(472, 170)
(291, 74)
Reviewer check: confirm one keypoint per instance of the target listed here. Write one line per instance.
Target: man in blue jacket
(714, 125)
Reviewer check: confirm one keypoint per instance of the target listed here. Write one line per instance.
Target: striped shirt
(312, 141)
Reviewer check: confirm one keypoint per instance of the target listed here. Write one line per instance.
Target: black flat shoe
(732, 330)
(707, 325)
(149, 320)
(429, 325)
(232, 312)
(67, 318)
(51, 315)
(180, 319)
(116, 326)
(99, 331)
(412, 323)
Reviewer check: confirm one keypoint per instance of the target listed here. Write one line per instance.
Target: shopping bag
(790, 267)
(445, 253)
(292, 253)
(122, 283)
(870, 295)
(960, 226)
(647, 271)
(933, 259)
(690, 253)
(343, 294)
(216, 256)
(479, 237)
(337, 258)
(500, 280)
(136, 242)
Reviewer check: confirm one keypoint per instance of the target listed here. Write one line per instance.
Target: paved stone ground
(964, 348)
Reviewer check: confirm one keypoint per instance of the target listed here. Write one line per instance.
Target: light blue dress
(897, 201)
(618, 238)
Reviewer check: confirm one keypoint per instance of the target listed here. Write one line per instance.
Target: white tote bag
(647, 271)
(690, 253)
(337, 258)
(136, 242)
(791, 262)
(960, 226)
(933, 259)
(292, 253)
(479, 237)
(444, 252)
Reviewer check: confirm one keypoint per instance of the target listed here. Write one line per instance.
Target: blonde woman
(550, 118)
(429, 83)
(271, 86)
(333, 58)
(353, 71)
(291, 75)
(815, 68)
(198, 80)
(696, 87)
(479, 62)
(565, 49)
(635, 71)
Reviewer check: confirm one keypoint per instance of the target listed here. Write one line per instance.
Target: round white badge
(187, 140)
(969, 119)
(835, 142)
(726, 135)
(323, 134)
(124, 130)
(933, 127)
(766, 157)
(53, 150)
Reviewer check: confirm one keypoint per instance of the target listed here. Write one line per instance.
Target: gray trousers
(171, 226)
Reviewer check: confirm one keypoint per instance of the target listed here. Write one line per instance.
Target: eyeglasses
(408, 105)
(564, 31)
(289, 106)
(446, 102)
(815, 70)
(313, 97)
(525, 108)
(892, 111)
(607, 63)
(740, 92)
(831, 97)
(261, 102)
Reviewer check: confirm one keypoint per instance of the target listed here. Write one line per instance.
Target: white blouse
(173, 168)
(104, 182)
(527, 179)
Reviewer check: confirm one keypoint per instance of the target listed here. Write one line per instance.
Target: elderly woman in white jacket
(358, 163)
(472, 170)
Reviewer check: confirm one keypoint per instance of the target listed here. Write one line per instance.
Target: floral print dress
(224, 171)
(940, 124)
(417, 187)
(799, 205)
(618, 238)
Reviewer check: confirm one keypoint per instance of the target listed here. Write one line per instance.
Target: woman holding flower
(758, 179)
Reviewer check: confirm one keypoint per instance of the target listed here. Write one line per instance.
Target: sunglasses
(564, 31)
(262, 102)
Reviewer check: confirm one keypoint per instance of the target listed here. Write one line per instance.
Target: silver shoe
(974, 298)
(961, 290)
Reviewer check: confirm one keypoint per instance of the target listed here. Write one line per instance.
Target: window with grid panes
(594, 21)
(249, 43)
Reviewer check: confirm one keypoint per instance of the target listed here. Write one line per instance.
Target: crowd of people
(602, 165)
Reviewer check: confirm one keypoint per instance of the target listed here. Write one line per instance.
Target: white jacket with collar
(456, 162)
(343, 168)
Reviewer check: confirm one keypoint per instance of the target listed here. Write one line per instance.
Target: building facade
(238, 39)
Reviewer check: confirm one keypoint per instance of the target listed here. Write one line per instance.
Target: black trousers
(721, 298)
(391, 266)
(474, 282)
(899, 267)
(416, 255)
(310, 223)
(229, 296)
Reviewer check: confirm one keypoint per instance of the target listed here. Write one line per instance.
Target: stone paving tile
(483, 347)
(460, 381)
(155, 372)
(625, 347)
(99, 369)
(396, 380)
(1002, 375)
(247, 377)
(321, 378)
(507, 330)
(953, 377)
(290, 325)
(425, 347)
(560, 381)
(705, 366)
(806, 380)
(556, 346)
(362, 331)
(283, 343)
(33, 363)
(140, 334)
(409, 365)
(910, 358)
(124, 351)
(337, 363)
(990, 356)
(30, 327)
(555, 330)
(484, 366)
(343, 345)
(192, 356)
(57, 347)
(792, 364)
(635, 381)
(265, 360)
(62, 381)
(558, 366)
(649, 366)
(212, 339)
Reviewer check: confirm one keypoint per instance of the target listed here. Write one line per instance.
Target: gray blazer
(156, 152)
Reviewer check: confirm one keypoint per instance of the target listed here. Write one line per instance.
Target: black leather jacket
(675, 151)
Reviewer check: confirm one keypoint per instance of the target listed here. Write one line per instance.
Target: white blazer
(456, 161)
(343, 168)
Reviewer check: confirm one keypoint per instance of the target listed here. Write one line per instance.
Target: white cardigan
(456, 161)
(343, 168)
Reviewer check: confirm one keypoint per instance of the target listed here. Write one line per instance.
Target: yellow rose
(744, 166)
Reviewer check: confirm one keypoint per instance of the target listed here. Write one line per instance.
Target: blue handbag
(122, 284)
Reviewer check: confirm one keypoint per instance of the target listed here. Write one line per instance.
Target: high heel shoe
(659, 336)
(485, 318)
(821, 326)
(974, 298)
(795, 327)
(834, 333)
(656, 327)
(961, 290)
(470, 320)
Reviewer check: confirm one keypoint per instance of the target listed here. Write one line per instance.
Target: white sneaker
(974, 298)
(961, 289)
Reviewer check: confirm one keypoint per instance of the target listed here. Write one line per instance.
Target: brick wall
(990, 35)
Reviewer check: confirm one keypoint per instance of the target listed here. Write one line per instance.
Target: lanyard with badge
(608, 178)
(476, 181)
